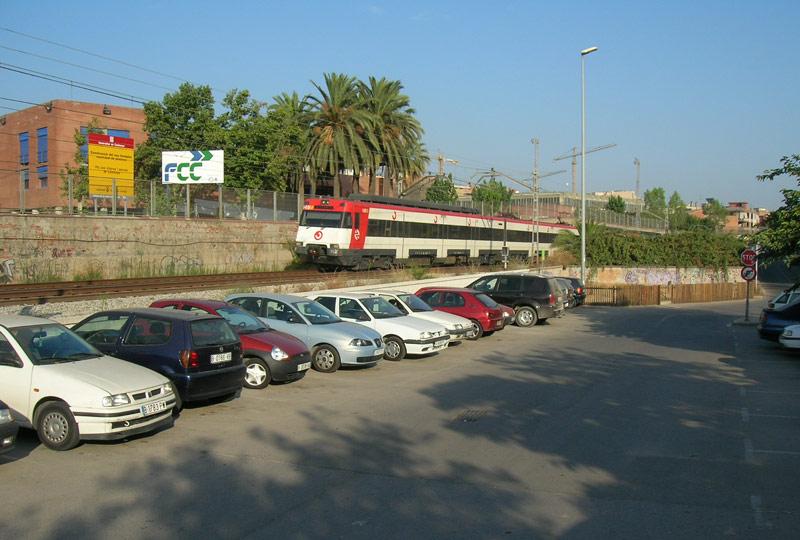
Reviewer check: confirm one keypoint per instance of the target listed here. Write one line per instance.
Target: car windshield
(486, 301)
(414, 302)
(316, 313)
(52, 343)
(316, 218)
(380, 308)
(241, 321)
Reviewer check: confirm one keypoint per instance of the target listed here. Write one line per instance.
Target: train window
(347, 221)
(358, 221)
(316, 218)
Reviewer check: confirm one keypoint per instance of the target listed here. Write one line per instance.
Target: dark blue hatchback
(774, 320)
(198, 352)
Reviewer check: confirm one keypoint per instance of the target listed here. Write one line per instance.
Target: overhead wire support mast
(574, 153)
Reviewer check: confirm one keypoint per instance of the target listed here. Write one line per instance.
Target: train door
(358, 232)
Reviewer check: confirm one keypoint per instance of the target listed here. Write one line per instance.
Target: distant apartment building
(38, 143)
(741, 217)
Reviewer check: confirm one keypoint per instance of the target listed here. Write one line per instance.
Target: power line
(68, 82)
(20, 51)
(102, 57)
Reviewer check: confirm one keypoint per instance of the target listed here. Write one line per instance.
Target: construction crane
(574, 155)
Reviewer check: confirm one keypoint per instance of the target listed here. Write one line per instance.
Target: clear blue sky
(705, 94)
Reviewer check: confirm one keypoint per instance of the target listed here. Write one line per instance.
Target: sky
(704, 94)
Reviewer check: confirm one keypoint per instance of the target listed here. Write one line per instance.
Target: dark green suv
(534, 298)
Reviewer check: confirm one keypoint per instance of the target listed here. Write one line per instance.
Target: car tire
(56, 427)
(178, 407)
(325, 359)
(394, 349)
(526, 317)
(256, 375)
(476, 332)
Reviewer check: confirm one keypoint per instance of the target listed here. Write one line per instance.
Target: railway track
(72, 291)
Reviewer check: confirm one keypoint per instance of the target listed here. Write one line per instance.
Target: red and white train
(379, 232)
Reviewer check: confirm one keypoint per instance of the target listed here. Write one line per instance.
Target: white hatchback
(790, 337)
(401, 334)
(414, 306)
(65, 389)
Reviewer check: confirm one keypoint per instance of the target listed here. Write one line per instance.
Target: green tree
(290, 111)
(616, 204)
(780, 240)
(678, 213)
(79, 170)
(655, 201)
(395, 129)
(493, 194)
(342, 132)
(715, 213)
(442, 190)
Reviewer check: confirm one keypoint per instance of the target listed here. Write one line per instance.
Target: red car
(269, 355)
(487, 316)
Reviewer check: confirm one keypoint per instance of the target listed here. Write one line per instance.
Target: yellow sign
(110, 160)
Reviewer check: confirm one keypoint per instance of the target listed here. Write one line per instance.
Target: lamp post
(584, 53)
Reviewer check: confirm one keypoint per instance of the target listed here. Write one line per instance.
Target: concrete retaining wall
(57, 248)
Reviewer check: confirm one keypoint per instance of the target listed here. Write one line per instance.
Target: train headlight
(334, 249)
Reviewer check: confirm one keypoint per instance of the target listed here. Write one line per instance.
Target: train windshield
(316, 218)
(414, 302)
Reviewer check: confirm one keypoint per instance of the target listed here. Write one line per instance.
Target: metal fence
(653, 295)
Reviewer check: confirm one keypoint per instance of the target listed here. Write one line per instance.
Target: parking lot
(663, 422)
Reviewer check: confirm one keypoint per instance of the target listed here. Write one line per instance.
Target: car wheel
(526, 316)
(56, 427)
(178, 407)
(475, 331)
(325, 359)
(394, 348)
(256, 374)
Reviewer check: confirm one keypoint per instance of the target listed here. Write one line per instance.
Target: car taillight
(552, 299)
(189, 359)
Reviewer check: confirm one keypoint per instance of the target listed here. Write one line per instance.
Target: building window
(25, 179)
(41, 145)
(24, 149)
(41, 172)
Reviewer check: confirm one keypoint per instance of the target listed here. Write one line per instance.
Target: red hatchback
(486, 315)
(269, 355)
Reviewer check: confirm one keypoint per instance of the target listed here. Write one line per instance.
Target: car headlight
(787, 333)
(166, 389)
(118, 399)
(425, 335)
(360, 343)
(278, 354)
(458, 326)
(5, 416)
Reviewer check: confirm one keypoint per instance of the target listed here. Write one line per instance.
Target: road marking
(745, 415)
(748, 450)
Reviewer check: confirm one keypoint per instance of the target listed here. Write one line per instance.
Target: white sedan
(790, 337)
(65, 389)
(414, 306)
(401, 334)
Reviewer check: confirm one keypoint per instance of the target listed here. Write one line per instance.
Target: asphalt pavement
(641, 422)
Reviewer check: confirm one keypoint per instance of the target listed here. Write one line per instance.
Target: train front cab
(331, 233)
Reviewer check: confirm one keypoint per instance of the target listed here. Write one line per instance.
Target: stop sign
(748, 257)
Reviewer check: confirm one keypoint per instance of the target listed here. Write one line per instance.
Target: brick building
(37, 143)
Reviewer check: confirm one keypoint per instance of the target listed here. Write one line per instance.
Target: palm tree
(397, 131)
(341, 130)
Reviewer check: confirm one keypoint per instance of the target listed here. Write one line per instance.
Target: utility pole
(636, 162)
(535, 190)
(440, 159)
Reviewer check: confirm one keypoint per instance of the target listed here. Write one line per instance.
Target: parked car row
(122, 372)
(780, 320)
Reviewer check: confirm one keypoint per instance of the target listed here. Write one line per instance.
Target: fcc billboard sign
(193, 167)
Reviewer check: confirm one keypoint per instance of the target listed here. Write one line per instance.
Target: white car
(401, 334)
(790, 337)
(65, 389)
(414, 306)
(789, 296)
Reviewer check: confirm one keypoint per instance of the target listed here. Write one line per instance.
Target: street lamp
(584, 52)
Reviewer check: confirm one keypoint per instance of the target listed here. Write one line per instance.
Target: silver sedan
(332, 341)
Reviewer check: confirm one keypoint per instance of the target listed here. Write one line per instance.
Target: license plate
(153, 408)
(304, 366)
(499, 323)
(221, 358)
(440, 343)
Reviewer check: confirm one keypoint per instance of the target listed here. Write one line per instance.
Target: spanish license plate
(153, 408)
(221, 358)
(441, 343)
(499, 323)
(304, 366)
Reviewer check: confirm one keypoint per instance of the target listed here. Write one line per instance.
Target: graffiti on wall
(675, 276)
